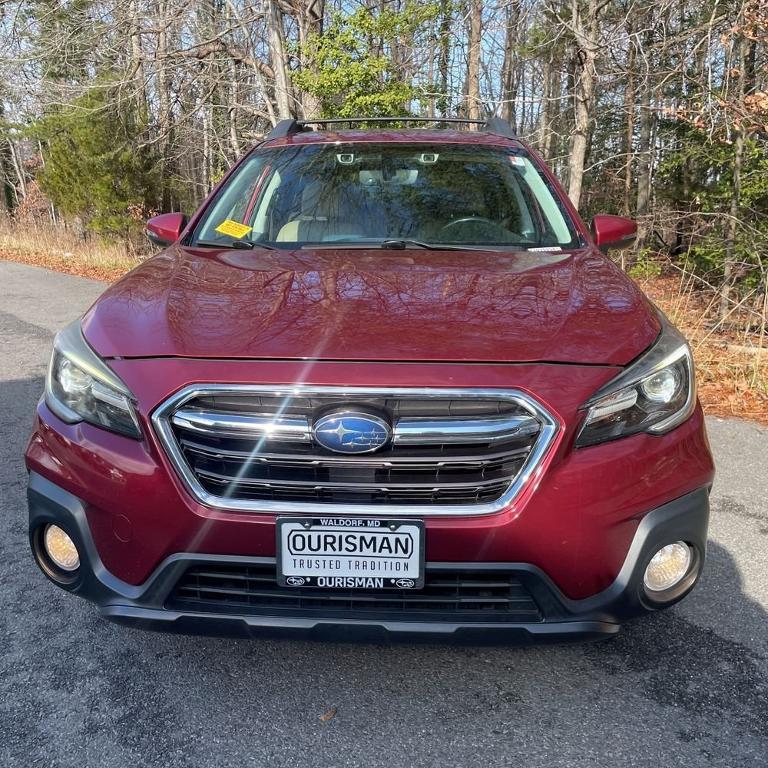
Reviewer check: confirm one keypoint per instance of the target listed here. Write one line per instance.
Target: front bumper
(150, 605)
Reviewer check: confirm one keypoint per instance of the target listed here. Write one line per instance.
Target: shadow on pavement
(680, 661)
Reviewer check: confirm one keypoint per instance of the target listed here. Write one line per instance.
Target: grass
(731, 356)
(732, 364)
(63, 250)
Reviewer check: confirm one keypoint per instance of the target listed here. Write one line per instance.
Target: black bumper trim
(600, 615)
(353, 629)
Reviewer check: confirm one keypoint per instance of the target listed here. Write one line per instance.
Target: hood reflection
(375, 305)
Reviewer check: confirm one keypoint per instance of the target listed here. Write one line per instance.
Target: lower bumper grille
(463, 595)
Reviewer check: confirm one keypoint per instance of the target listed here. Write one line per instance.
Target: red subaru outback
(383, 381)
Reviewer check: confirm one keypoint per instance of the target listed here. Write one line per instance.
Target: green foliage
(352, 72)
(95, 166)
(699, 175)
(645, 266)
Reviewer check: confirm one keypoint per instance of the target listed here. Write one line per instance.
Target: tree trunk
(164, 117)
(509, 72)
(137, 56)
(6, 185)
(6, 188)
(21, 188)
(745, 64)
(51, 206)
(283, 98)
(644, 153)
(545, 110)
(551, 139)
(733, 222)
(585, 77)
(207, 152)
(431, 60)
(444, 48)
(309, 18)
(232, 95)
(629, 133)
(474, 55)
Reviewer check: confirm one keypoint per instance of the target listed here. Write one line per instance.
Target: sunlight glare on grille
(445, 452)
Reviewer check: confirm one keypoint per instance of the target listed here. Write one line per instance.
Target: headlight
(655, 394)
(81, 387)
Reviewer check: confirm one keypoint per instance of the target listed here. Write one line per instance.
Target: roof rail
(404, 119)
(284, 128)
(500, 127)
(290, 126)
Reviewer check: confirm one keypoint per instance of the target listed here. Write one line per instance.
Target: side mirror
(165, 229)
(613, 232)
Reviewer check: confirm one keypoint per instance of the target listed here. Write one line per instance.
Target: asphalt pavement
(685, 687)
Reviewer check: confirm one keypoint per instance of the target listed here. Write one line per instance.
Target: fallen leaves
(70, 264)
(731, 367)
(328, 715)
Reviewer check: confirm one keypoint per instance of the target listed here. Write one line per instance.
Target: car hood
(412, 305)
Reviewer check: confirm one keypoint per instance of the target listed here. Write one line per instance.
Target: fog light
(668, 567)
(60, 548)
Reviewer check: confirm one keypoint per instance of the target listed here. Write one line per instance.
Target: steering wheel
(467, 220)
(488, 228)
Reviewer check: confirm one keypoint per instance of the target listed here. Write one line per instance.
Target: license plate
(350, 553)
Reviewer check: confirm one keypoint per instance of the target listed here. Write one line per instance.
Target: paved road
(688, 687)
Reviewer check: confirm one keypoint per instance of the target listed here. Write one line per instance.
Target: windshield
(360, 193)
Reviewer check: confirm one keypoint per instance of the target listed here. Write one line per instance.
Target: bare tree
(474, 56)
(585, 25)
(283, 94)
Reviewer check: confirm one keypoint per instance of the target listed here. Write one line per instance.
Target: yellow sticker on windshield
(233, 228)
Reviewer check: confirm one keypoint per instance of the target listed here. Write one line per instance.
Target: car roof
(413, 135)
(491, 132)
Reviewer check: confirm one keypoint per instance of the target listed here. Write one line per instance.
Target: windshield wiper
(242, 245)
(394, 244)
(402, 244)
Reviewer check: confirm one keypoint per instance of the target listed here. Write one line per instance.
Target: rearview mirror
(612, 232)
(165, 229)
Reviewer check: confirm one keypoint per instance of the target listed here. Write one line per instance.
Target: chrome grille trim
(424, 431)
(232, 424)
(163, 417)
(405, 430)
(361, 460)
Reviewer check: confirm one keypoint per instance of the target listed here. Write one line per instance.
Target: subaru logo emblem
(351, 432)
(294, 581)
(405, 583)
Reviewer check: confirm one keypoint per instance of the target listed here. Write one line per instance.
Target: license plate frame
(291, 571)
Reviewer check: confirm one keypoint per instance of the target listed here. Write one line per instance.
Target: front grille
(463, 594)
(455, 451)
